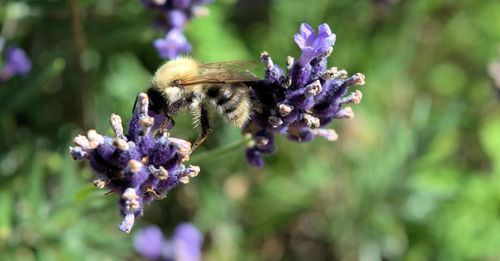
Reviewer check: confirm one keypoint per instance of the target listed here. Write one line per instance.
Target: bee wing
(223, 72)
(231, 65)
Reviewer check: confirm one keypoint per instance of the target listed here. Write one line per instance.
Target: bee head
(156, 101)
(170, 73)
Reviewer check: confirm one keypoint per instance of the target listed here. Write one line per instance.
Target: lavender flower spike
(139, 166)
(185, 244)
(172, 45)
(172, 17)
(302, 98)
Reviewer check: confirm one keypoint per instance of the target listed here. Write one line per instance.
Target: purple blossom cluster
(15, 62)
(172, 18)
(297, 101)
(141, 166)
(184, 245)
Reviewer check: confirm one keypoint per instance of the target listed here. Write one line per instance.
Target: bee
(184, 84)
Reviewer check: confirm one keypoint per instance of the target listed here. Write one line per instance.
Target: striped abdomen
(230, 101)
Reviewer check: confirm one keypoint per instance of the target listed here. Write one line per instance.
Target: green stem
(212, 154)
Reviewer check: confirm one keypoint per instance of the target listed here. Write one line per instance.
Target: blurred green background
(414, 176)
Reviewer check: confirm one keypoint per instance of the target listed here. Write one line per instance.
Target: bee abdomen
(231, 102)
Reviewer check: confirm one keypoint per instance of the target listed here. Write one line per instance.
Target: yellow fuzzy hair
(179, 68)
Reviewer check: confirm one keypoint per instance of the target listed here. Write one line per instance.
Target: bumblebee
(184, 84)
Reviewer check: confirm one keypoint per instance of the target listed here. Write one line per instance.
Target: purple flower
(174, 44)
(16, 63)
(172, 16)
(185, 244)
(149, 242)
(139, 166)
(177, 19)
(298, 101)
(313, 45)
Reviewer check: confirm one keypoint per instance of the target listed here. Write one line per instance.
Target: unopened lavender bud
(328, 74)
(121, 144)
(100, 182)
(261, 141)
(328, 134)
(147, 121)
(130, 194)
(356, 79)
(159, 2)
(116, 125)
(345, 113)
(275, 121)
(311, 121)
(82, 141)
(313, 89)
(131, 200)
(353, 97)
(78, 153)
(193, 171)
(159, 173)
(132, 205)
(289, 62)
(266, 60)
(95, 139)
(143, 102)
(184, 179)
(342, 74)
(134, 166)
(284, 109)
(184, 148)
(127, 223)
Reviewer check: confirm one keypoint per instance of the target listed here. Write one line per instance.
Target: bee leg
(165, 126)
(205, 128)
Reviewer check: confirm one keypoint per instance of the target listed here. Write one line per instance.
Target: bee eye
(176, 83)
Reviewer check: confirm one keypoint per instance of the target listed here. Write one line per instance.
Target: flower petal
(306, 30)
